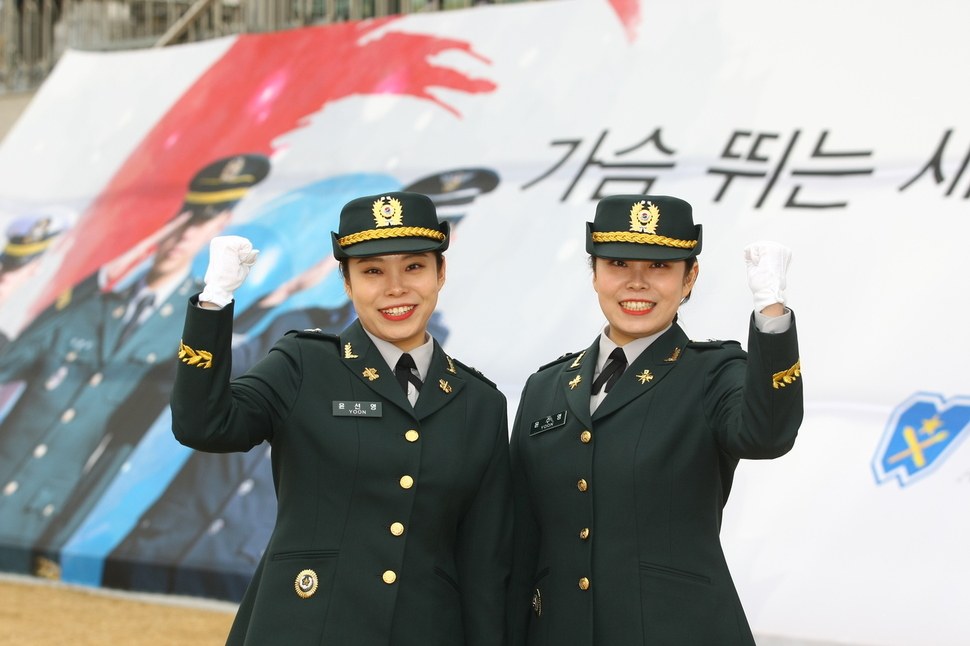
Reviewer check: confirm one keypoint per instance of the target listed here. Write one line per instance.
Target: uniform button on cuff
(389, 577)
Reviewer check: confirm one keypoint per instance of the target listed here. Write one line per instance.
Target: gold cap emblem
(644, 217)
(388, 212)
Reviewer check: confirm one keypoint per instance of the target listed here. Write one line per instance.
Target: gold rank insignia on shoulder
(371, 374)
(575, 364)
(785, 377)
(575, 382)
(197, 358)
(451, 365)
(645, 376)
(349, 352)
(673, 355)
(306, 583)
(388, 212)
(644, 217)
(444, 385)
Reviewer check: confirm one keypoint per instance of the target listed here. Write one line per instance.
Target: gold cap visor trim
(20, 250)
(642, 238)
(395, 232)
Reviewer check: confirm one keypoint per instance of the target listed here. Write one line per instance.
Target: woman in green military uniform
(390, 458)
(623, 454)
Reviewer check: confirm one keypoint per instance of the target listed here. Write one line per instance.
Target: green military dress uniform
(394, 522)
(618, 512)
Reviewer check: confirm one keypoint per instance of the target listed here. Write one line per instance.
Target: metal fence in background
(34, 33)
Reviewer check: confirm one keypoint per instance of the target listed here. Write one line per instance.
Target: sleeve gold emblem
(197, 358)
(785, 377)
(575, 382)
(644, 217)
(388, 212)
(371, 374)
(306, 583)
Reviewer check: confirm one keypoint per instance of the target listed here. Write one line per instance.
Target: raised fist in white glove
(767, 265)
(230, 258)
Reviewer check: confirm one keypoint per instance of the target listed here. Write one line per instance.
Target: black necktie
(403, 371)
(611, 371)
(141, 305)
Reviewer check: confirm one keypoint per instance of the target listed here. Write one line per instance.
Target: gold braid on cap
(214, 197)
(642, 238)
(395, 232)
(20, 250)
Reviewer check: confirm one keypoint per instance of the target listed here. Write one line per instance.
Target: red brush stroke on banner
(629, 13)
(263, 87)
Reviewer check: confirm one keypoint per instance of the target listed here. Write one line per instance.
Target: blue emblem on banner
(922, 432)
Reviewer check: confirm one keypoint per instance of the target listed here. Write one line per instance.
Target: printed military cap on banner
(643, 227)
(29, 236)
(397, 222)
(454, 187)
(221, 184)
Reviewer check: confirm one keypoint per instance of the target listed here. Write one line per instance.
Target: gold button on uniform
(407, 482)
(70, 356)
(397, 529)
(389, 577)
(68, 415)
(584, 584)
(582, 485)
(584, 533)
(96, 379)
(585, 436)
(412, 436)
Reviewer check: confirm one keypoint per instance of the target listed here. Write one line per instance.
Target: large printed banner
(836, 128)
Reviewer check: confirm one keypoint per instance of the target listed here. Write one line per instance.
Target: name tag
(357, 409)
(547, 423)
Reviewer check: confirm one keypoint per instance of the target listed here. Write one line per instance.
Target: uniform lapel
(576, 380)
(441, 386)
(645, 372)
(365, 361)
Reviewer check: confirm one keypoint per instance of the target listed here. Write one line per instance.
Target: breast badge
(306, 583)
(921, 434)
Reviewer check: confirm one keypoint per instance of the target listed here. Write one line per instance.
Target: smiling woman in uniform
(390, 458)
(623, 454)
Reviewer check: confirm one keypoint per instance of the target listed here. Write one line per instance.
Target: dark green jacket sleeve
(754, 404)
(210, 413)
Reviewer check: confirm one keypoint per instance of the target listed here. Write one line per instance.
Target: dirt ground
(34, 612)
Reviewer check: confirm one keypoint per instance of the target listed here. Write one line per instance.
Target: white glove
(767, 264)
(230, 258)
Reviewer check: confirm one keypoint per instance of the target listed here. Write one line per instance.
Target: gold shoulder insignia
(785, 377)
(575, 364)
(64, 299)
(197, 358)
(349, 352)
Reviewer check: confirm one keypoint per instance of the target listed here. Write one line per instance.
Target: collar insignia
(371, 374)
(674, 355)
(575, 382)
(444, 385)
(575, 364)
(451, 365)
(645, 376)
(349, 353)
